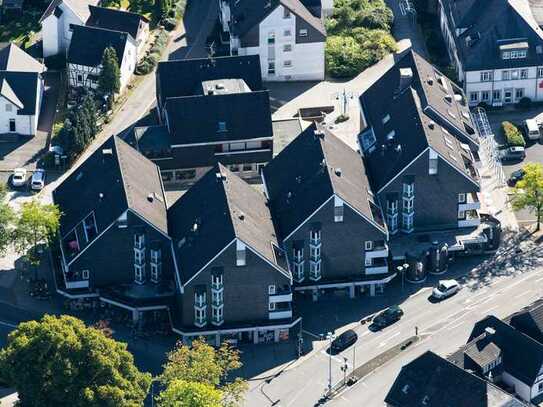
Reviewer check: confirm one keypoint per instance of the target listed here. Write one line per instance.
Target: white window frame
(271, 306)
(287, 48)
(9, 107)
(368, 245)
(462, 197)
(139, 241)
(241, 254)
(339, 210)
(287, 63)
(85, 274)
(299, 271)
(303, 32)
(524, 74)
(272, 289)
(287, 32)
(139, 273)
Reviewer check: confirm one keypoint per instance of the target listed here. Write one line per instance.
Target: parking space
(534, 149)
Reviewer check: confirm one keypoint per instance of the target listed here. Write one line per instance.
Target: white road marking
(388, 339)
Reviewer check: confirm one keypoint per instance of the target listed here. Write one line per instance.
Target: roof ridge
(121, 170)
(224, 179)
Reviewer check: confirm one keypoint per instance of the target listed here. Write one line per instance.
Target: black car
(515, 177)
(344, 340)
(388, 317)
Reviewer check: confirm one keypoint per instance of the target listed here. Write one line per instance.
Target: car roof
(532, 125)
(348, 332)
(38, 174)
(448, 283)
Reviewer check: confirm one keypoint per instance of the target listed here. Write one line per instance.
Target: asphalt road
(500, 286)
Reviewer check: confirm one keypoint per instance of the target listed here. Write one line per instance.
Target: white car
(445, 288)
(19, 177)
(38, 180)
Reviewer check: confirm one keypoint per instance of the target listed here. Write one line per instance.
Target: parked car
(343, 341)
(515, 177)
(532, 129)
(18, 179)
(388, 317)
(515, 153)
(445, 288)
(38, 180)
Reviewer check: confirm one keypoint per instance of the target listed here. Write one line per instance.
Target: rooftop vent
(219, 86)
(405, 389)
(490, 331)
(101, 195)
(299, 179)
(210, 91)
(398, 148)
(151, 197)
(107, 151)
(338, 172)
(430, 80)
(241, 216)
(431, 125)
(319, 133)
(220, 176)
(195, 227)
(449, 98)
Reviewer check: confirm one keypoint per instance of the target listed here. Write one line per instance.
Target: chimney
(490, 331)
(406, 76)
(107, 151)
(338, 172)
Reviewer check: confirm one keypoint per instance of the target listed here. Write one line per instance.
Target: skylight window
(391, 135)
(386, 118)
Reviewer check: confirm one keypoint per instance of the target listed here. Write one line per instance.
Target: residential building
(21, 91)
(327, 217)
(212, 110)
(500, 354)
(432, 381)
(287, 37)
(57, 24)
(120, 20)
(87, 49)
(529, 321)
(496, 47)
(114, 236)
(234, 277)
(420, 149)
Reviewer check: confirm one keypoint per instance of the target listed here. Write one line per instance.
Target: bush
(525, 103)
(150, 61)
(512, 134)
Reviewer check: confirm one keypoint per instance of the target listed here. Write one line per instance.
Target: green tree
(111, 3)
(36, 223)
(7, 218)
(180, 393)
(528, 192)
(202, 363)
(109, 80)
(58, 361)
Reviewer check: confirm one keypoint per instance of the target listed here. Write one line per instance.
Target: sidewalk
(404, 28)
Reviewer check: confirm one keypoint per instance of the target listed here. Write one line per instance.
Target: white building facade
(14, 120)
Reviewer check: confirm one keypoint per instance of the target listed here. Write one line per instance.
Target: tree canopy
(109, 80)
(203, 364)
(7, 218)
(181, 393)
(58, 361)
(528, 192)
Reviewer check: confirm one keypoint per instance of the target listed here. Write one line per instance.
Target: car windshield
(442, 287)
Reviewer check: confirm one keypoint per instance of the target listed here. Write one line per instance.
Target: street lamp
(330, 337)
(400, 272)
(344, 368)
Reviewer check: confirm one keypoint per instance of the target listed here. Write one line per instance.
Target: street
(500, 285)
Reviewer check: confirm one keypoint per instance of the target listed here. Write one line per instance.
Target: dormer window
(240, 254)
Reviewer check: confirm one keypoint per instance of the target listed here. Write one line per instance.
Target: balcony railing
(378, 251)
(282, 311)
(200, 302)
(281, 295)
(472, 203)
(217, 285)
(217, 301)
(77, 284)
(378, 266)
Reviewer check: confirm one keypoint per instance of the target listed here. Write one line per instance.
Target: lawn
(21, 28)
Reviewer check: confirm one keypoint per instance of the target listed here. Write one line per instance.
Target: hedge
(512, 134)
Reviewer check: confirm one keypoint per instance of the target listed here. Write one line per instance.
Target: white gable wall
(56, 32)
(25, 125)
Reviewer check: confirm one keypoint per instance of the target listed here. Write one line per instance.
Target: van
(532, 129)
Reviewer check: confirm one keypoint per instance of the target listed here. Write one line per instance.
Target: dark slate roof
(20, 88)
(124, 177)
(185, 77)
(224, 208)
(79, 7)
(117, 20)
(152, 140)
(529, 321)
(478, 353)
(517, 19)
(522, 357)
(89, 43)
(195, 119)
(246, 14)
(13, 58)
(420, 117)
(309, 171)
(431, 381)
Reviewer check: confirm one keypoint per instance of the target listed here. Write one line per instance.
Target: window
(461, 198)
(299, 271)
(79, 78)
(199, 317)
(461, 215)
(139, 241)
(8, 107)
(248, 167)
(234, 167)
(221, 126)
(303, 32)
(271, 306)
(386, 119)
(408, 205)
(89, 227)
(315, 252)
(523, 74)
(286, 12)
(392, 222)
(85, 274)
(392, 206)
(432, 163)
(506, 75)
(200, 299)
(236, 146)
(368, 261)
(485, 95)
(315, 270)
(298, 254)
(287, 48)
(271, 289)
(271, 67)
(407, 220)
(139, 273)
(217, 314)
(519, 93)
(408, 189)
(540, 71)
(271, 38)
(156, 265)
(518, 54)
(240, 253)
(497, 95)
(315, 237)
(217, 297)
(287, 33)
(338, 210)
(12, 126)
(287, 63)
(474, 96)
(486, 76)
(506, 55)
(514, 74)
(368, 245)
(139, 256)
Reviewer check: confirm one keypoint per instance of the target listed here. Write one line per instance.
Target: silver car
(445, 288)
(38, 180)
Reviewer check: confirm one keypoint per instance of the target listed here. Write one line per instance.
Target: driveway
(27, 151)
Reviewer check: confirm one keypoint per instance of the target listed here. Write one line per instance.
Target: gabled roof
(184, 77)
(13, 58)
(522, 357)
(309, 171)
(113, 179)
(195, 119)
(408, 116)
(79, 7)
(21, 89)
(89, 43)
(114, 19)
(529, 321)
(246, 14)
(215, 211)
(478, 46)
(431, 381)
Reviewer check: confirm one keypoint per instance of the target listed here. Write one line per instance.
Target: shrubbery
(150, 61)
(512, 134)
(358, 36)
